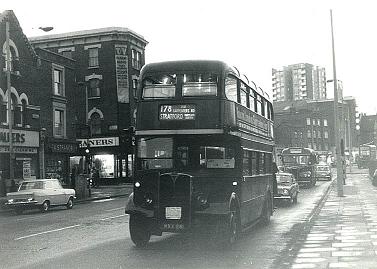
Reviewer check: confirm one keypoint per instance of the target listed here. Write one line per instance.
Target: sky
(255, 36)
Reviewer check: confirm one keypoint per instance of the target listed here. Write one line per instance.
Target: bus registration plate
(173, 212)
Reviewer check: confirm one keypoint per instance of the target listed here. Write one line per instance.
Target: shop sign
(19, 138)
(26, 169)
(99, 142)
(24, 150)
(121, 68)
(62, 148)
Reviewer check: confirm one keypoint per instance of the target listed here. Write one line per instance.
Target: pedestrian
(274, 170)
(96, 177)
(73, 178)
(13, 186)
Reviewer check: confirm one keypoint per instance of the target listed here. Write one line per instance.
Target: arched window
(23, 113)
(3, 110)
(95, 123)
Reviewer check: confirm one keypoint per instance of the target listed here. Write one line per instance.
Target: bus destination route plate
(177, 112)
(173, 212)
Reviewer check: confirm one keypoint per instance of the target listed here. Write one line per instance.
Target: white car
(40, 193)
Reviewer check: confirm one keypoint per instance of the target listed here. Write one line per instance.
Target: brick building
(309, 123)
(107, 66)
(42, 83)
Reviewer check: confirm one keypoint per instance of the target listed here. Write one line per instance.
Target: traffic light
(127, 139)
(357, 120)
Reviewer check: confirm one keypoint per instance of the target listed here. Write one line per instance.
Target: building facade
(39, 140)
(107, 66)
(308, 123)
(299, 82)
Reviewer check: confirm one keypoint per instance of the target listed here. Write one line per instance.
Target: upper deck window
(231, 88)
(159, 86)
(244, 95)
(199, 85)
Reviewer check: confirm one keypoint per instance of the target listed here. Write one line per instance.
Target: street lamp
(337, 132)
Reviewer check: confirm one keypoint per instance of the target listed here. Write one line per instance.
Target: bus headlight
(137, 184)
(10, 201)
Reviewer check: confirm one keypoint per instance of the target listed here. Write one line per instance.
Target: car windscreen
(31, 185)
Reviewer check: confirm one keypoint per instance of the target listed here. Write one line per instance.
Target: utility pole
(337, 132)
(9, 96)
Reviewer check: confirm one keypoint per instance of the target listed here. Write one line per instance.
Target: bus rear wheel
(139, 232)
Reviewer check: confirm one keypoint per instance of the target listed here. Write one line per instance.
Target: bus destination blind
(177, 112)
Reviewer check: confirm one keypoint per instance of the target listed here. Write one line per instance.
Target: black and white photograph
(188, 134)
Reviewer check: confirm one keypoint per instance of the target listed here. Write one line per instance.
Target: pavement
(98, 193)
(342, 233)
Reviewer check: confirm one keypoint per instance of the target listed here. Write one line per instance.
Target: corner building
(107, 66)
(42, 85)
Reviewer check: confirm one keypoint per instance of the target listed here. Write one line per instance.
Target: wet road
(95, 235)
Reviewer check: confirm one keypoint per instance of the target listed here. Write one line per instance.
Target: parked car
(323, 171)
(288, 188)
(40, 193)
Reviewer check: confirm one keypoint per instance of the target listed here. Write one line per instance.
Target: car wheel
(139, 232)
(295, 199)
(18, 210)
(45, 206)
(70, 203)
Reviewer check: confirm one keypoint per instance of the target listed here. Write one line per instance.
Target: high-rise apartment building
(299, 82)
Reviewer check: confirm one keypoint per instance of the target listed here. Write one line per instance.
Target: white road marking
(113, 209)
(103, 200)
(46, 232)
(114, 217)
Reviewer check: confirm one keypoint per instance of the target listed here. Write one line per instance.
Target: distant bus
(204, 142)
(367, 153)
(301, 163)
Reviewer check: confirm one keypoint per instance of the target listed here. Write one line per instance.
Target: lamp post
(42, 137)
(337, 132)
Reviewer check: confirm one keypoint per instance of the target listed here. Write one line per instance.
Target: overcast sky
(254, 36)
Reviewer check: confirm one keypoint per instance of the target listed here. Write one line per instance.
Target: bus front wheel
(139, 232)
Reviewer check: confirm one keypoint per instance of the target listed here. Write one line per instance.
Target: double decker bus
(204, 142)
(301, 163)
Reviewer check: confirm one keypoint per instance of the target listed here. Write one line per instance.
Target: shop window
(105, 164)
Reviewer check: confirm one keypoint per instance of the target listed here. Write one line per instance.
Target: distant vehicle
(367, 153)
(41, 194)
(300, 162)
(288, 188)
(323, 171)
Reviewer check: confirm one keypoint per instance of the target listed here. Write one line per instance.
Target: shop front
(25, 154)
(105, 155)
(57, 156)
